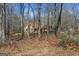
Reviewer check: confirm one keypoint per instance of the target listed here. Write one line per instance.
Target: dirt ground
(47, 46)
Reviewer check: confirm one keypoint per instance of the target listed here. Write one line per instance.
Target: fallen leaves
(34, 46)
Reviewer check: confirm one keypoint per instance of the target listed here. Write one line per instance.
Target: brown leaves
(34, 46)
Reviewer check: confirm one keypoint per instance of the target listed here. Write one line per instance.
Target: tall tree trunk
(48, 18)
(7, 24)
(5, 20)
(1, 20)
(59, 19)
(28, 18)
(54, 10)
(22, 18)
(8, 28)
(53, 16)
(39, 21)
(3, 37)
(33, 17)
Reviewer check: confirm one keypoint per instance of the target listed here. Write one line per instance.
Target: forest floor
(46, 46)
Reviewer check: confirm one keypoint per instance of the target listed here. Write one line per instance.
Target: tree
(28, 19)
(48, 27)
(5, 21)
(54, 10)
(53, 15)
(0, 22)
(59, 19)
(22, 19)
(38, 17)
(75, 12)
(33, 16)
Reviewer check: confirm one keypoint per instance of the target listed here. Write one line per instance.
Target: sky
(25, 8)
(66, 6)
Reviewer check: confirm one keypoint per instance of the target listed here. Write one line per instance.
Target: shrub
(76, 39)
(65, 40)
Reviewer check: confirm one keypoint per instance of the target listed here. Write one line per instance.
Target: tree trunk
(39, 21)
(59, 19)
(48, 18)
(54, 19)
(33, 17)
(5, 19)
(55, 10)
(8, 28)
(22, 18)
(28, 12)
(1, 20)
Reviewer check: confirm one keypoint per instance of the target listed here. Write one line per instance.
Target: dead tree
(22, 18)
(59, 19)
